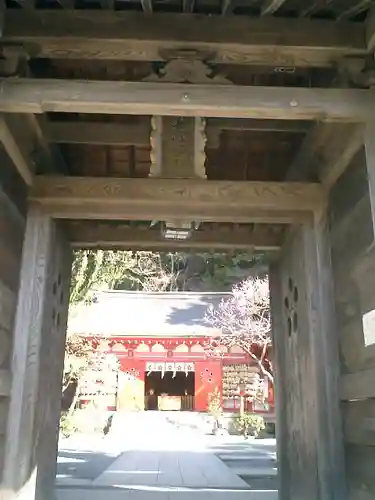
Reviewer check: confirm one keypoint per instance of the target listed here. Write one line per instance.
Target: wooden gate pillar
(307, 368)
(38, 357)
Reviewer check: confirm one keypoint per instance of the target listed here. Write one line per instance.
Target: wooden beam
(172, 99)
(114, 134)
(67, 4)
(271, 6)
(2, 16)
(88, 235)
(188, 6)
(343, 146)
(227, 7)
(360, 385)
(313, 7)
(370, 164)
(228, 40)
(5, 382)
(18, 146)
(359, 422)
(147, 6)
(107, 4)
(297, 126)
(355, 9)
(326, 152)
(48, 156)
(166, 199)
(370, 30)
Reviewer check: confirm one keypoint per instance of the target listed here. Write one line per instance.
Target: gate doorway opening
(169, 390)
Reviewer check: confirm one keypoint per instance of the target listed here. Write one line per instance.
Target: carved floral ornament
(291, 305)
(185, 69)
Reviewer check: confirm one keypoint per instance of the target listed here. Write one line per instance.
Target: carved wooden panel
(291, 303)
(38, 358)
(178, 147)
(51, 363)
(145, 199)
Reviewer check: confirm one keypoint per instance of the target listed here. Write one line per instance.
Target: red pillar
(208, 375)
(130, 395)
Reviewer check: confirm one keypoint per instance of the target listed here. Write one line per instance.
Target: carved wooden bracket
(14, 61)
(187, 70)
(356, 72)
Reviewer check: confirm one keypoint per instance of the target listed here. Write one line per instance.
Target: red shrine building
(159, 340)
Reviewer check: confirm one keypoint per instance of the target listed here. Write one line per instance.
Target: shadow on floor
(83, 464)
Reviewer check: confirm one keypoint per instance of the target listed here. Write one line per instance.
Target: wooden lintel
(17, 145)
(27, 95)
(87, 235)
(228, 39)
(166, 199)
(326, 152)
(115, 134)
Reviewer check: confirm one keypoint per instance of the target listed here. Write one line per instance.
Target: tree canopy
(244, 320)
(156, 271)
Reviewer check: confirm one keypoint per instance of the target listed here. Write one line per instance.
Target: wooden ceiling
(323, 9)
(71, 49)
(72, 56)
(234, 155)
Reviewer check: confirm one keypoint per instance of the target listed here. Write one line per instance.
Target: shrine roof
(145, 314)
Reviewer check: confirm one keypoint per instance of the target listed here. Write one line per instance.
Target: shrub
(68, 424)
(249, 424)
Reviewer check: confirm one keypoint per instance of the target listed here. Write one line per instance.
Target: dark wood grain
(230, 39)
(24, 95)
(149, 199)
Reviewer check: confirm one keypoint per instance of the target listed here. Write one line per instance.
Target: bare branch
(244, 320)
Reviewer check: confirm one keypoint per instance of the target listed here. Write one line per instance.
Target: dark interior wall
(353, 261)
(173, 386)
(12, 226)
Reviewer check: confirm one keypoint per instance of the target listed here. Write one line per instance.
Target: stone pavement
(160, 461)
